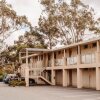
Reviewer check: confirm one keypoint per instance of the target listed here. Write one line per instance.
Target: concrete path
(46, 93)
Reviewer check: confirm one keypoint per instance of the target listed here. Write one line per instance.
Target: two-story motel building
(76, 65)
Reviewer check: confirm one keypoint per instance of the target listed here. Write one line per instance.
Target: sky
(32, 9)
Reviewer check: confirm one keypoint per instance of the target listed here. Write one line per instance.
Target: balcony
(38, 64)
(49, 63)
(59, 62)
(30, 65)
(88, 58)
(72, 60)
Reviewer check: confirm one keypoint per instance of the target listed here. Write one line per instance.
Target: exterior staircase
(44, 76)
(45, 80)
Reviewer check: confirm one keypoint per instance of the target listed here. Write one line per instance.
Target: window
(70, 52)
(41, 57)
(94, 45)
(83, 59)
(65, 50)
(55, 55)
(85, 46)
(24, 61)
(59, 52)
(28, 60)
(49, 56)
(59, 62)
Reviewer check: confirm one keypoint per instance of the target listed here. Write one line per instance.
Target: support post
(97, 68)
(27, 70)
(79, 70)
(79, 78)
(64, 78)
(53, 77)
(97, 78)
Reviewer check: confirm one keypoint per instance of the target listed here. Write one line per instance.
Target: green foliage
(17, 83)
(29, 40)
(1, 78)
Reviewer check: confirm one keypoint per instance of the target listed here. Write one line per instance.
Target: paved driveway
(46, 93)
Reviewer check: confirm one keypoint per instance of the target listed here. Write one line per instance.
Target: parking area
(47, 93)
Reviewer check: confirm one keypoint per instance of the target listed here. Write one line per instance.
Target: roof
(35, 50)
(79, 43)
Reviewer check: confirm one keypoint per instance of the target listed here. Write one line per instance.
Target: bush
(1, 78)
(17, 83)
(21, 83)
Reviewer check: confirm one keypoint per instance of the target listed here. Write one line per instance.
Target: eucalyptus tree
(10, 22)
(66, 23)
(48, 24)
(31, 39)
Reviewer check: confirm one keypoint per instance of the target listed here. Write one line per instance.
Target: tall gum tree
(66, 23)
(10, 22)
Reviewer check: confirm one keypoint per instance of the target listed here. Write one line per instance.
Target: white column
(53, 77)
(97, 78)
(79, 78)
(27, 70)
(65, 78)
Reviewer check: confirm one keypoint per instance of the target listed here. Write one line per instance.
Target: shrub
(21, 83)
(1, 78)
(17, 83)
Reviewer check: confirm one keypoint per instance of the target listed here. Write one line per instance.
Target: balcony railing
(49, 63)
(59, 62)
(88, 58)
(72, 60)
(38, 64)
